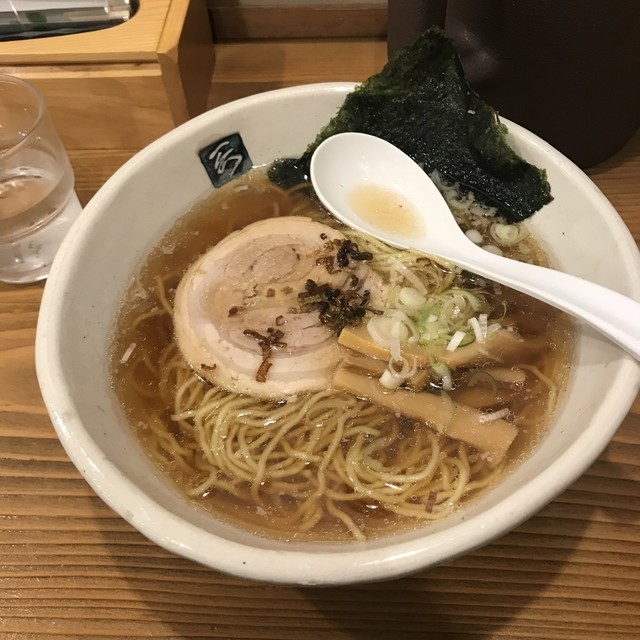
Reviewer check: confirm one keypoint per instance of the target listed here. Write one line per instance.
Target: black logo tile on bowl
(225, 159)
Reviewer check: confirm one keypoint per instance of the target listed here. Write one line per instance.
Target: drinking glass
(38, 203)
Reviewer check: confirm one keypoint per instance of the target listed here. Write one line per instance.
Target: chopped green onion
(484, 375)
(507, 234)
(411, 297)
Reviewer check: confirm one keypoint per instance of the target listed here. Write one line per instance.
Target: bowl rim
(301, 567)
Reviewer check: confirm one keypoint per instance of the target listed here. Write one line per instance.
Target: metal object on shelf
(24, 19)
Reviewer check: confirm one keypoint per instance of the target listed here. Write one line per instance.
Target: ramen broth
(300, 498)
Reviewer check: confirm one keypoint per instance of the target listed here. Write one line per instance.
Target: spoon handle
(608, 311)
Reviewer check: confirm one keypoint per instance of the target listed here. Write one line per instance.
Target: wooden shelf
(124, 86)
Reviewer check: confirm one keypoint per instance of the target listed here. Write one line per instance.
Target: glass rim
(9, 79)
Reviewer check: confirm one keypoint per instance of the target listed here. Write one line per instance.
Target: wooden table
(71, 568)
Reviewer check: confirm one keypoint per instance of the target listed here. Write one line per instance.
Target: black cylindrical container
(568, 70)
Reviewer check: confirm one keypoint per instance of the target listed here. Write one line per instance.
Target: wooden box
(122, 87)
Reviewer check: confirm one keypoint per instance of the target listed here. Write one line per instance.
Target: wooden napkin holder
(124, 86)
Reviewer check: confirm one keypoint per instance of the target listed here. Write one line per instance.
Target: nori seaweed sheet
(421, 102)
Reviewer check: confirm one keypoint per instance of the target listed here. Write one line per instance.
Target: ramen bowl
(580, 230)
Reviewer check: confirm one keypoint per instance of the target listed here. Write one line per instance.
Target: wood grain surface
(136, 81)
(132, 41)
(70, 568)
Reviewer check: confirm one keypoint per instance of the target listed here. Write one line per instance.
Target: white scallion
(389, 381)
(406, 328)
(474, 235)
(492, 328)
(455, 341)
(406, 369)
(410, 297)
(483, 320)
(491, 248)
(127, 354)
(398, 371)
(393, 329)
(383, 328)
(477, 330)
(507, 234)
(492, 417)
(394, 347)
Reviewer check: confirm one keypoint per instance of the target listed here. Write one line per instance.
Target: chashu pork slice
(237, 316)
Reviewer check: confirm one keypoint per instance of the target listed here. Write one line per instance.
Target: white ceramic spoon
(346, 165)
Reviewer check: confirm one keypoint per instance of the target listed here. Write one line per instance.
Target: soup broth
(328, 464)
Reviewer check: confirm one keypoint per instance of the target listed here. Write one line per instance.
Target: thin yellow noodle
(204, 486)
(182, 400)
(284, 471)
(553, 388)
(356, 532)
(162, 295)
(261, 468)
(166, 441)
(483, 481)
(236, 462)
(409, 478)
(153, 370)
(312, 518)
(462, 478)
(153, 313)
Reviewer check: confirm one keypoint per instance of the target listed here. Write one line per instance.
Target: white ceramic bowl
(128, 216)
